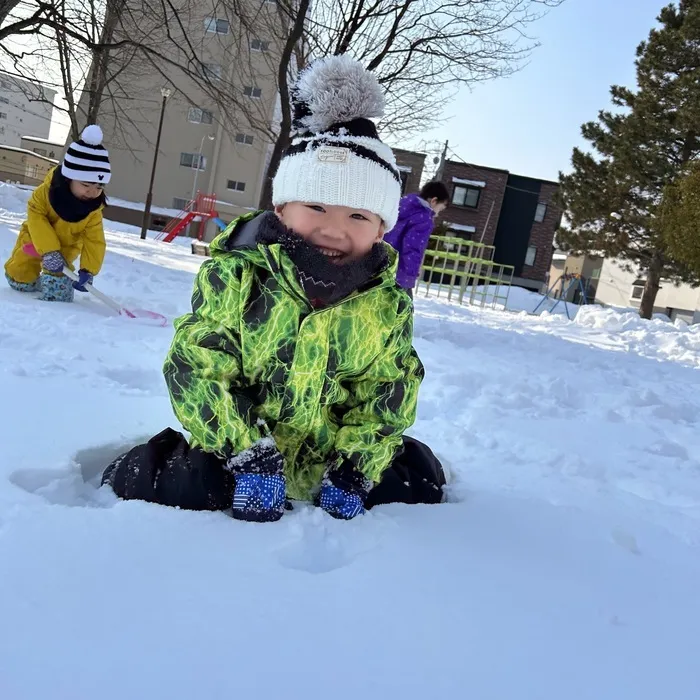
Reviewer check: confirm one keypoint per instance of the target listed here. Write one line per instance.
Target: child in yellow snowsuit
(64, 221)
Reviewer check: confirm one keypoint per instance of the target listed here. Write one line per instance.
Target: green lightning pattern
(340, 383)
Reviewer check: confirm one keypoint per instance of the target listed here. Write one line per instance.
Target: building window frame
(212, 71)
(467, 192)
(235, 186)
(194, 161)
(180, 203)
(197, 115)
(244, 139)
(540, 212)
(216, 25)
(259, 45)
(253, 92)
(531, 256)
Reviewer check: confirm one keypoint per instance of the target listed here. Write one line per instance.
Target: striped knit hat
(336, 156)
(87, 160)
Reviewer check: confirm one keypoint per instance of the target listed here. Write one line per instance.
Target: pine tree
(680, 218)
(612, 197)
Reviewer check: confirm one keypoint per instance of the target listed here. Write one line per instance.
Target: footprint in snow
(321, 545)
(77, 485)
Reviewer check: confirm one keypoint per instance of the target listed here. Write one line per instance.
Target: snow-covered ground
(565, 564)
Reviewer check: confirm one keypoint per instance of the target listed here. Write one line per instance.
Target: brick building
(411, 166)
(515, 214)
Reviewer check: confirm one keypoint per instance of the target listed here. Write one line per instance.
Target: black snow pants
(166, 470)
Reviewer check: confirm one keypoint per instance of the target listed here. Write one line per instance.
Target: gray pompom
(338, 89)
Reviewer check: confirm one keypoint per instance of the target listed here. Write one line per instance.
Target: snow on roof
(38, 139)
(472, 183)
(3, 147)
(559, 256)
(461, 227)
(405, 168)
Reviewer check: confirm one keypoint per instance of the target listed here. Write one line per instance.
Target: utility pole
(441, 166)
(165, 92)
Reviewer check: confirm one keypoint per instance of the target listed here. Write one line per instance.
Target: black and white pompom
(334, 90)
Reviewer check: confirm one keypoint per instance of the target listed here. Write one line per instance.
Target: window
(236, 186)
(213, 25)
(193, 160)
(211, 71)
(637, 292)
(3, 115)
(540, 212)
(40, 151)
(199, 116)
(245, 139)
(531, 255)
(258, 45)
(180, 203)
(254, 92)
(466, 196)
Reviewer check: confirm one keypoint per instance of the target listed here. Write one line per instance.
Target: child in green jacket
(295, 373)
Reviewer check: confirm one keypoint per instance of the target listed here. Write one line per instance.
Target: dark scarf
(324, 282)
(66, 204)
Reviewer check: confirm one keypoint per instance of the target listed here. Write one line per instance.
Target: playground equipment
(560, 291)
(465, 269)
(200, 209)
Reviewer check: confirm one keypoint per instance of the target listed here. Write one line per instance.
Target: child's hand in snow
(343, 492)
(84, 277)
(261, 491)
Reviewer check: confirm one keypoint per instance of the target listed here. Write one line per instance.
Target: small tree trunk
(651, 288)
(281, 144)
(295, 35)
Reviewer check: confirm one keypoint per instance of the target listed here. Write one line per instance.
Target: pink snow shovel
(29, 249)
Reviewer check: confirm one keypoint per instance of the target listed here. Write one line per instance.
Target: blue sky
(530, 122)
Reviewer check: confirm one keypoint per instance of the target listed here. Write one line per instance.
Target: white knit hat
(87, 160)
(336, 156)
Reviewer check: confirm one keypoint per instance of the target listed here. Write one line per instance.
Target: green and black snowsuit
(338, 384)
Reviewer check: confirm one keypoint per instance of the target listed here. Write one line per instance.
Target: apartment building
(410, 165)
(516, 214)
(26, 108)
(201, 147)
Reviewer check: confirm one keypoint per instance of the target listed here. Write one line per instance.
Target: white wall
(20, 115)
(615, 289)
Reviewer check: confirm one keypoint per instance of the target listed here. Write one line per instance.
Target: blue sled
(221, 224)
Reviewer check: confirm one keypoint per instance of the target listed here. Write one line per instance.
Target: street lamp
(199, 163)
(165, 93)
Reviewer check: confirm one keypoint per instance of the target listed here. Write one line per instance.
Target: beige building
(41, 146)
(204, 146)
(19, 165)
(25, 108)
(588, 266)
(620, 288)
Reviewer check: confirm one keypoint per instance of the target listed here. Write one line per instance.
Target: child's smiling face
(341, 233)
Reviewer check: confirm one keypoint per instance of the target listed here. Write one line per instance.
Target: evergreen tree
(612, 197)
(680, 218)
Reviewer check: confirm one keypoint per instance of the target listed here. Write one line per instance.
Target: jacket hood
(413, 203)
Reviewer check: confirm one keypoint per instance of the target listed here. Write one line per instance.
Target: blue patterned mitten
(261, 491)
(343, 492)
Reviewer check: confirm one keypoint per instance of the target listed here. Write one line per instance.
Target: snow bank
(564, 565)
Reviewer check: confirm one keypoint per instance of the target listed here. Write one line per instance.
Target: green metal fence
(464, 271)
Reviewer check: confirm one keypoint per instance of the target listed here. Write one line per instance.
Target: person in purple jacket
(413, 228)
